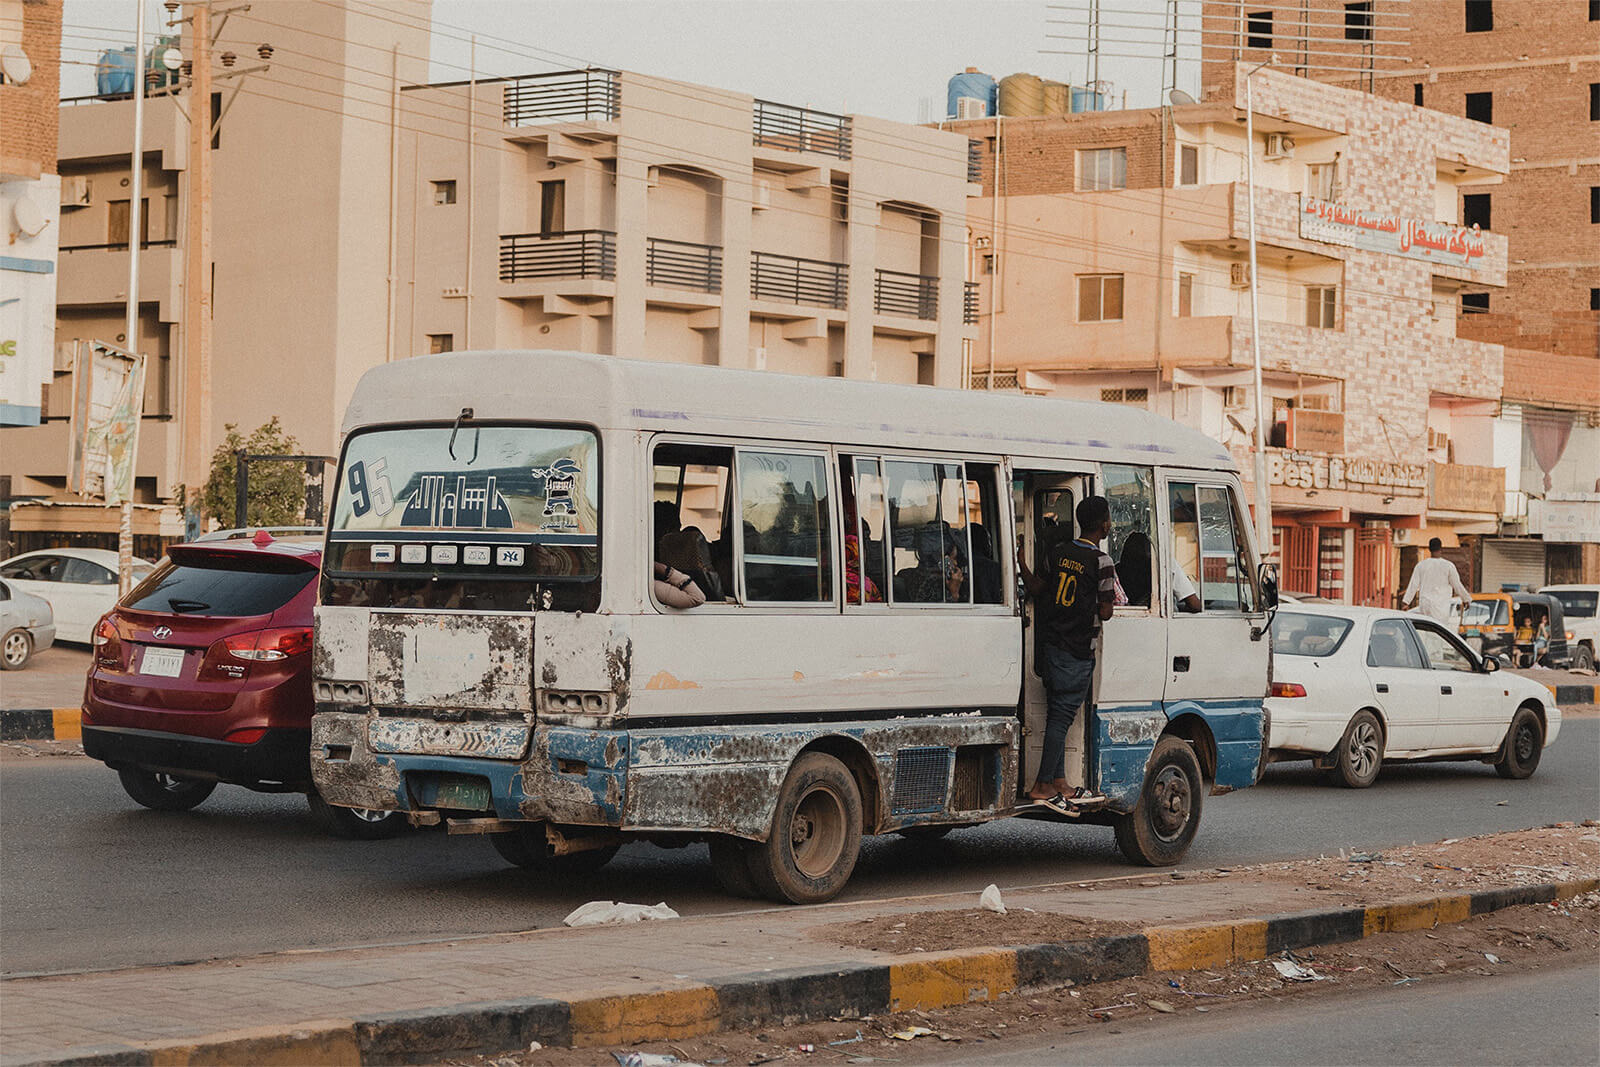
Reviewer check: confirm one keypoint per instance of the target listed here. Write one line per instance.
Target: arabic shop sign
(1434, 242)
(1313, 470)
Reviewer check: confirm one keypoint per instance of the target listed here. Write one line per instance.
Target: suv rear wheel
(164, 792)
(357, 824)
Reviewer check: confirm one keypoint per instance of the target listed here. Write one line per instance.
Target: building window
(1594, 203)
(118, 220)
(1475, 210)
(1322, 305)
(1188, 165)
(1185, 295)
(441, 342)
(1474, 303)
(1138, 398)
(1099, 298)
(1322, 180)
(1594, 10)
(1358, 21)
(1480, 107)
(444, 192)
(1480, 16)
(1258, 29)
(1416, 93)
(1594, 101)
(552, 207)
(1102, 168)
(1594, 299)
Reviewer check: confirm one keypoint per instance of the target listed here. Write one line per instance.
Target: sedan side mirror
(1491, 663)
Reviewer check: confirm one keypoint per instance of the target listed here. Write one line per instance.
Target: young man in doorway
(1072, 595)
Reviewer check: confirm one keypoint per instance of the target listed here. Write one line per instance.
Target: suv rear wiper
(183, 607)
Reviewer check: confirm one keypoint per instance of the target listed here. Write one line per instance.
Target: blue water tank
(114, 73)
(1087, 100)
(972, 84)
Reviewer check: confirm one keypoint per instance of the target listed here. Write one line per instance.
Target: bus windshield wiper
(466, 413)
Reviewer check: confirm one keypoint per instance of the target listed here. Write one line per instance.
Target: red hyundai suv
(202, 674)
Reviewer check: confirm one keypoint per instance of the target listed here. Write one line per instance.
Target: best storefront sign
(1303, 470)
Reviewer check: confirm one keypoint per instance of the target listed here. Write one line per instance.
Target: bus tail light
(1288, 689)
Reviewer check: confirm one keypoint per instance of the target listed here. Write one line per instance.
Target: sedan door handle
(1382, 687)
(1445, 689)
(1180, 664)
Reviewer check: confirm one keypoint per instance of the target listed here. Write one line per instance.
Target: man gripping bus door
(1439, 584)
(1071, 598)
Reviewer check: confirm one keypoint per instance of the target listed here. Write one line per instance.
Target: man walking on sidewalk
(1071, 597)
(1439, 584)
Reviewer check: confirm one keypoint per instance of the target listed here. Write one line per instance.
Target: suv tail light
(268, 644)
(1288, 689)
(107, 644)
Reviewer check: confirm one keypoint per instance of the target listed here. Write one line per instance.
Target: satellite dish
(171, 58)
(15, 63)
(1179, 98)
(29, 216)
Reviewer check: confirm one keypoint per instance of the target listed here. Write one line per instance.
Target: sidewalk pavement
(421, 1003)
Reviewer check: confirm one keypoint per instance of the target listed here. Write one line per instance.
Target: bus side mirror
(1269, 586)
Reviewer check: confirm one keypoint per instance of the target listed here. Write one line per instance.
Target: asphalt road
(88, 879)
(1548, 1016)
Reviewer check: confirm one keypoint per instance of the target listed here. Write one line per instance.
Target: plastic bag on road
(990, 900)
(601, 912)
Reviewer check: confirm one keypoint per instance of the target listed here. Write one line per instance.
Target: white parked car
(27, 625)
(1352, 687)
(79, 583)
(1581, 606)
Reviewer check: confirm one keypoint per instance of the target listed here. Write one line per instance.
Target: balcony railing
(915, 295)
(682, 265)
(567, 254)
(798, 281)
(563, 96)
(800, 129)
(119, 246)
(969, 303)
(974, 160)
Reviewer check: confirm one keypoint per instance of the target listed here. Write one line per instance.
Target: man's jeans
(1066, 685)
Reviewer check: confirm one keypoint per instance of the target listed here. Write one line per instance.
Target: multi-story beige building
(360, 216)
(1115, 267)
(620, 213)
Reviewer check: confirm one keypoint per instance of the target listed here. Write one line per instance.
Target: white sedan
(1352, 687)
(79, 583)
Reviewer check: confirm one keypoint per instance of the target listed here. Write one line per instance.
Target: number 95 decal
(369, 488)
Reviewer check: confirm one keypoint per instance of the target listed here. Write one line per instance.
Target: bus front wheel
(816, 834)
(1158, 831)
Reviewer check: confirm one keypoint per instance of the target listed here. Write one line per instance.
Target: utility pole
(136, 225)
(196, 423)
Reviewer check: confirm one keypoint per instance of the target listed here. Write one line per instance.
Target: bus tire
(816, 834)
(1524, 744)
(527, 847)
(730, 862)
(1159, 829)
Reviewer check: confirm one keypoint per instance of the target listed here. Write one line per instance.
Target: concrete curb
(1575, 694)
(776, 998)
(41, 724)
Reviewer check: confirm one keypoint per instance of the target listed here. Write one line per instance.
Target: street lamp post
(1263, 501)
(131, 329)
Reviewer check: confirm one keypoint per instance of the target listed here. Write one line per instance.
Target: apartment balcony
(794, 280)
(571, 263)
(683, 265)
(969, 303)
(914, 296)
(98, 274)
(800, 129)
(566, 96)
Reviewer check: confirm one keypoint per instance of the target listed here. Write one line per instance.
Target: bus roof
(627, 394)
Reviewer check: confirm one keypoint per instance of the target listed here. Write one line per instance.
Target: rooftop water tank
(1021, 94)
(1057, 98)
(972, 85)
(1087, 100)
(113, 73)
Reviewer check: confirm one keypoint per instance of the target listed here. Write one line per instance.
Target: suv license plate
(165, 662)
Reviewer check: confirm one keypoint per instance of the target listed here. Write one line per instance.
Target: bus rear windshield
(472, 503)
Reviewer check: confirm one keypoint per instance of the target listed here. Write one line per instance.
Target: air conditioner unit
(1280, 146)
(1233, 396)
(970, 107)
(75, 191)
(760, 195)
(1239, 275)
(1437, 439)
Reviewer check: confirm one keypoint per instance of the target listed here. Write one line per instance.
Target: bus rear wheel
(816, 834)
(1159, 829)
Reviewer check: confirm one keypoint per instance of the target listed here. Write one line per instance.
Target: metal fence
(566, 95)
(916, 295)
(798, 281)
(567, 254)
(801, 129)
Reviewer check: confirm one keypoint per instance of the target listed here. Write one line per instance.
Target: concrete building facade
(1130, 284)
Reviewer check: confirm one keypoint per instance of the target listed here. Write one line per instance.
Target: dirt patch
(26, 750)
(936, 931)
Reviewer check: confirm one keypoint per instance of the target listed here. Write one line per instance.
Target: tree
(277, 490)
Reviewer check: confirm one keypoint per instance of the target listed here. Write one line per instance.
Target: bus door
(1216, 657)
(1044, 503)
(1130, 675)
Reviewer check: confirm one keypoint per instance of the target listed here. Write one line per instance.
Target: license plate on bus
(162, 662)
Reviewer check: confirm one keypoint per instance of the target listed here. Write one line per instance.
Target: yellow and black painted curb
(1574, 694)
(777, 998)
(41, 724)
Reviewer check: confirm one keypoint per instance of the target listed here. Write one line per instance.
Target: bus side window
(983, 526)
(786, 523)
(691, 522)
(865, 530)
(930, 554)
(1209, 546)
(1131, 492)
(1181, 556)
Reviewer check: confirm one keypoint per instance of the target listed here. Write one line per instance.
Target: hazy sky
(876, 57)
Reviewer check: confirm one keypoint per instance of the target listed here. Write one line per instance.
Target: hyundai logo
(161, 633)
